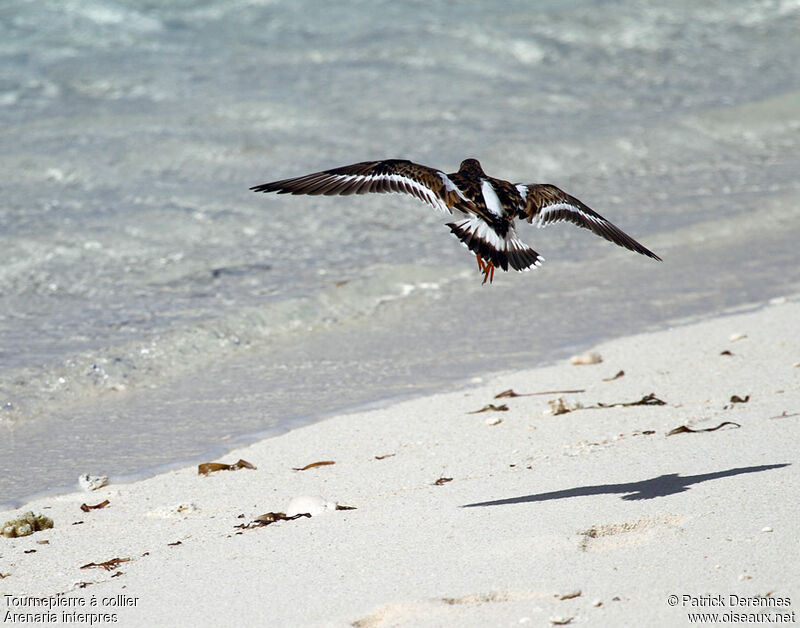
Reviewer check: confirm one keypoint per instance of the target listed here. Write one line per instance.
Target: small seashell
(494, 420)
(309, 504)
(562, 406)
(92, 482)
(590, 357)
(596, 603)
(766, 529)
(737, 336)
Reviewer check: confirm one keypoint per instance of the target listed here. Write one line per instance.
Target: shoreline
(246, 439)
(494, 517)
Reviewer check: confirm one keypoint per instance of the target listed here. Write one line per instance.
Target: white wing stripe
(450, 186)
(543, 219)
(404, 183)
(426, 194)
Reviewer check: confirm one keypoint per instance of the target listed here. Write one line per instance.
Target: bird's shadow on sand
(660, 486)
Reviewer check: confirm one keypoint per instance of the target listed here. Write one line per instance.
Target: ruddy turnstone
(484, 208)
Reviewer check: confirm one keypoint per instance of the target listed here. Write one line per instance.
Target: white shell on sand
(590, 357)
(562, 406)
(737, 336)
(309, 504)
(92, 482)
(493, 420)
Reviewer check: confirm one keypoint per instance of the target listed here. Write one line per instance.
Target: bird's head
(471, 166)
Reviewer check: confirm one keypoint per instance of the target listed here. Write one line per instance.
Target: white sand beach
(594, 517)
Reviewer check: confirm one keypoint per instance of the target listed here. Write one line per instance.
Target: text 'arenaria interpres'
(484, 208)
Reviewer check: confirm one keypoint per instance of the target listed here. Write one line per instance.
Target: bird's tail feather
(503, 252)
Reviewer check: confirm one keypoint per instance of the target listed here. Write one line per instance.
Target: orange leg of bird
(488, 272)
(481, 263)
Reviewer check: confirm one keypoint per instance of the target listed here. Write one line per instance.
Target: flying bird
(484, 209)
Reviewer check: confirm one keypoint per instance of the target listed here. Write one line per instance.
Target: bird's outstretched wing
(390, 175)
(546, 204)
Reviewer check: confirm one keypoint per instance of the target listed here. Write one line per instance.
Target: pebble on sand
(590, 357)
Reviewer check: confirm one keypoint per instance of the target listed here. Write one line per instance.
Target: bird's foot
(488, 272)
(481, 263)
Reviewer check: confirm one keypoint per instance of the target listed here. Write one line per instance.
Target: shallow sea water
(153, 310)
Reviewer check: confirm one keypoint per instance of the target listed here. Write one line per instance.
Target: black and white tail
(481, 239)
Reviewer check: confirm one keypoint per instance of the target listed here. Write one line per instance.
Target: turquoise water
(152, 309)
